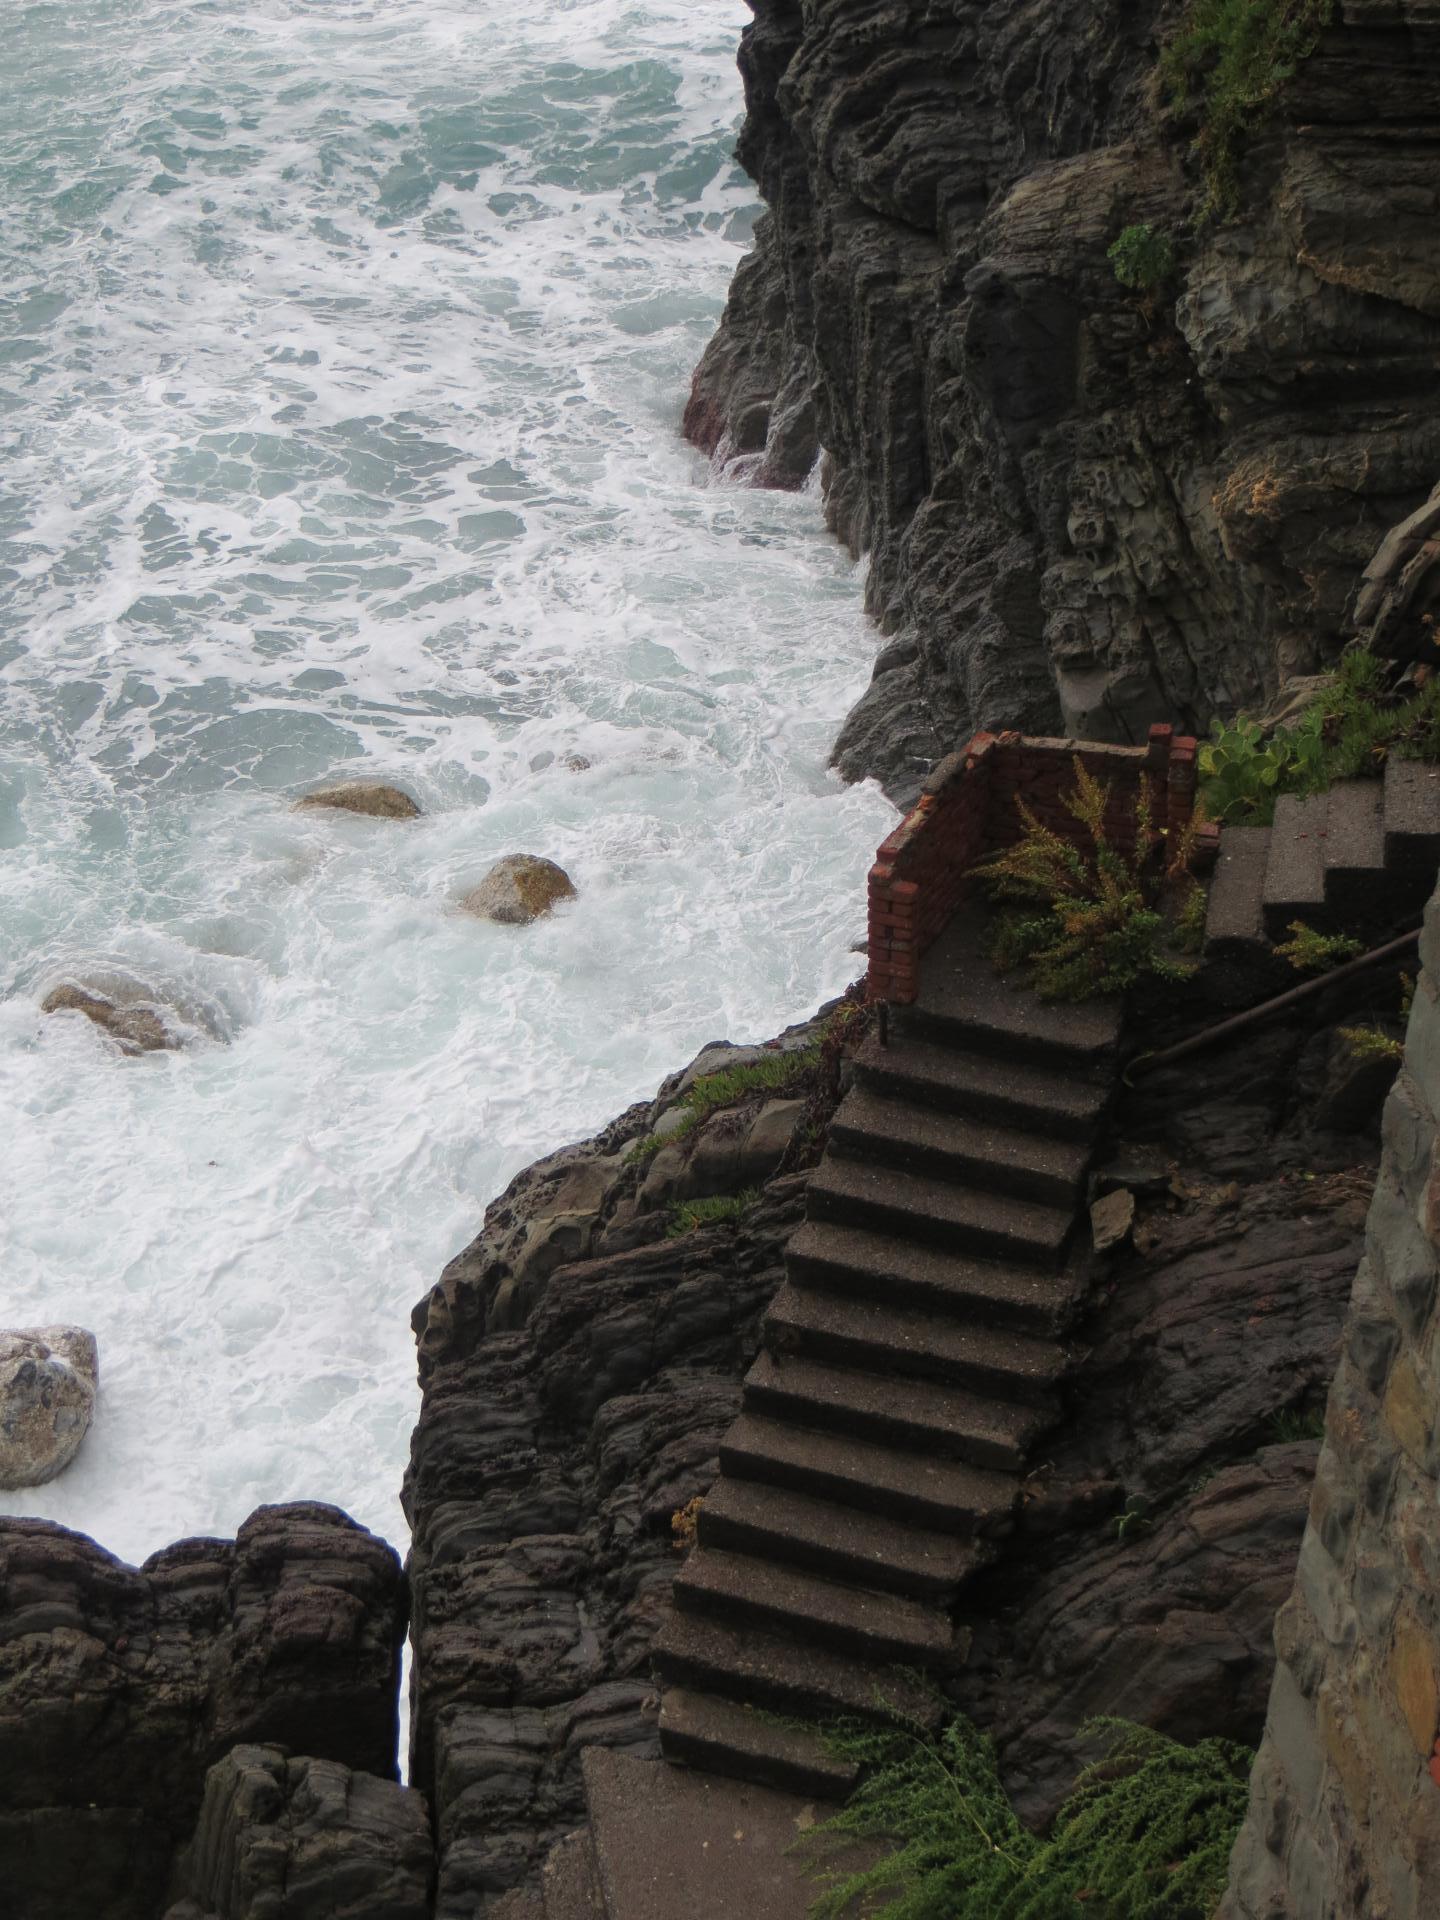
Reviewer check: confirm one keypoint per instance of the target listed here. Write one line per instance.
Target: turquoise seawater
(342, 354)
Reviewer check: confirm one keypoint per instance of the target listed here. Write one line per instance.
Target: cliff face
(1086, 508)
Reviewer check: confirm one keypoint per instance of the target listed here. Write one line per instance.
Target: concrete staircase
(1366, 848)
(910, 1363)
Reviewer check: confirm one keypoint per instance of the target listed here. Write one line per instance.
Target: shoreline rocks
(136, 1027)
(48, 1381)
(375, 798)
(518, 889)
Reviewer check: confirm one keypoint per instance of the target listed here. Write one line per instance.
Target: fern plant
(1145, 1835)
(1083, 919)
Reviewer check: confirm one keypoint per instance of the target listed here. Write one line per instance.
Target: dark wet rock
(374, 798)
(120, 1686)
(48, 1379)
(518, 889)
(1086, 508)
(137, 1026)
(285, 1838)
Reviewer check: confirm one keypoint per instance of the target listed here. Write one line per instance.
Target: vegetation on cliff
(1350, 729)
(1230, 60)
(1146, 1832)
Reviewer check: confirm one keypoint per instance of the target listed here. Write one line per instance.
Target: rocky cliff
(1086, 506)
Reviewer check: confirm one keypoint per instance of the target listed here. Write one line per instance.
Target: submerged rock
(48, 1377)
(519, 889)
(138, 1027)
(371, 797)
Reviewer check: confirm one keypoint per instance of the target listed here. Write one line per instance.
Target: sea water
(343, 345)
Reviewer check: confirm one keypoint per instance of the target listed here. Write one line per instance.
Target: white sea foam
(342, 352)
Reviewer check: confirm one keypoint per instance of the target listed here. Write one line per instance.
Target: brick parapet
(968, 808)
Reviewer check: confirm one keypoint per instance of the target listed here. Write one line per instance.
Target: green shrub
(1145, 1835)
(1142, 258)
(723, 1210)
(1348, 731)
(1231, 59)
(1310, 951)
(1084, 921)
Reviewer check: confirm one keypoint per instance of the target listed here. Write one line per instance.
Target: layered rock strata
(1087, 507)
(120, 1686)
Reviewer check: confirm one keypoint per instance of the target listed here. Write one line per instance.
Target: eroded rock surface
(1087, 507)
(120, 1686)
(48, 1378)
(282, 1837)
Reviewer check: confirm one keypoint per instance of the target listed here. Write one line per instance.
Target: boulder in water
(372, 797)
(519, 889)
(137, 1027)
(48, 1377)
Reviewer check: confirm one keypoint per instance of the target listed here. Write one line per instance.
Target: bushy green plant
(1143, 258)
(1084, 920)
(1146, 1834)
(721, 1210)
(1310, 951)
(1231, 59)
(1349, 730)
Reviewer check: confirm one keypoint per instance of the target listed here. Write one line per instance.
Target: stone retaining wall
(1344, 1819)
(967, 809)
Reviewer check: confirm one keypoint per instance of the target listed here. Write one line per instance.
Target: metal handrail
(1147, 1062)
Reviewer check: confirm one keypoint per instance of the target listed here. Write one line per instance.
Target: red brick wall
(967, 809)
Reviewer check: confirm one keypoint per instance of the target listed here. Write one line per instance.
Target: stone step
(877, 1128)
(960, 1080)
(1000, 1362)
(743, 1588)
(723, 1736)
(1412, 817)
(1355, 878)
(962, 1001)
(954, 1422)
(1235, 914)
(949, 1495)
(867, 1549)
(920, 1207)
(569, 1882)
(826, 1257)
(1295, 871)
(782, 1674)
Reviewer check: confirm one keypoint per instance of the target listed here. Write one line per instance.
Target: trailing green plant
(1083, 920)
(1230, 59)
(1371, 1042)
(1190, 920)
(1143, 258)
(778, 1072)
(1310, 951)
(1145, 1835)
(1351, 727)
(722, 1209)
(1134, 1519)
